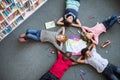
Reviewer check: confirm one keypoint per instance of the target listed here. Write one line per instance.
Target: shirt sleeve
(86, 61)
(57, 46)
(59, 31)
(59, 55)
(69, 63)
(96, 40)
(93, 50)
(86, 29)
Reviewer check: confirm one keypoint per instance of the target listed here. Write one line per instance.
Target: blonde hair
(65, 38)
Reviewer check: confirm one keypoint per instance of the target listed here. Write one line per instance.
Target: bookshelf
(14, 12)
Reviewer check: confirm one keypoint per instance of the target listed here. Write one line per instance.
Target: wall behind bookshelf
(14, 12)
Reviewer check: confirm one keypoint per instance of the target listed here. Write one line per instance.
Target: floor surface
(29, 61)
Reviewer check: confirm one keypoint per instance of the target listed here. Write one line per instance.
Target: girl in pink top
(92, 34)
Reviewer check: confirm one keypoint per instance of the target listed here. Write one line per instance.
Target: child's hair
(84, 37)
(66, 23)
(65, 38)
(83, 52)
(67, 56)
(69, 53)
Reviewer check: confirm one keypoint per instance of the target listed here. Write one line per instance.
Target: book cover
(50, 24)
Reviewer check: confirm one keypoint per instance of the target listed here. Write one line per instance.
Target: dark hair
(84, 51)
(70, 54)
(83, 36)
(66, 23)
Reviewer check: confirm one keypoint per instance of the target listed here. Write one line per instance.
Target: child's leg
(116, 69)
(46, 76)
(108, 72)
(32, 37)
(32, 31)
(110, 21)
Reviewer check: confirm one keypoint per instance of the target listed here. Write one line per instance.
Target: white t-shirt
(97, 61)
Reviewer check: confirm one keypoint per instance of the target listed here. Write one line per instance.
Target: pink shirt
(96, 30)
(60, 66)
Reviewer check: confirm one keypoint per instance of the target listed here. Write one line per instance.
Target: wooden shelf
(18, 19)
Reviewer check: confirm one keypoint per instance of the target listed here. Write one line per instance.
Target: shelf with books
(22, 3)
(3, 25)
(9, 11)
(13, 17)
(1, 18)
(15, 12)
(6, 3)
(34, 1)
(17, 21)
(32, 11)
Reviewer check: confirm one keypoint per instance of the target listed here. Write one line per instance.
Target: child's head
(87, 36)
(68, 21)
(86, 53)
(61, 38)
(67, 54)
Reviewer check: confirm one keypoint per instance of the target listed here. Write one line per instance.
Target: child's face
(60, 38)
(65, 58)
(88, 54)
(89, 36)
(69, 19)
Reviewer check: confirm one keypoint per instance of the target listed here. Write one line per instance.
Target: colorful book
(1, 18)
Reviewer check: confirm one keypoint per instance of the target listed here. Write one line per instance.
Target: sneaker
(118, 19)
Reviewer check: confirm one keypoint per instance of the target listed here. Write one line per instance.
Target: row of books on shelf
(12, 14)
(5, 3)
(9, 28)
(1, 18)
(5, 32)
(8, 10)
(4, 24)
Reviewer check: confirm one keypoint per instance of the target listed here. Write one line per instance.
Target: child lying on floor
(92, 34)
(70, 17)
(44, 36)
(59, 67)
(91, 57)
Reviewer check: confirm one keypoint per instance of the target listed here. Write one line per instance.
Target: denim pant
(78, 0)
(111, 71)
(32, 34)
(108, 23)
(48, 76)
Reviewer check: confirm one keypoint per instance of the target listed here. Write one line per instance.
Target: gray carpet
(29, 61)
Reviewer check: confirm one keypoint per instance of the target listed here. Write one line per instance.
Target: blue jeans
(111, 71)
(78, 0)
(48, 76)
(33, 34)
(108, 23)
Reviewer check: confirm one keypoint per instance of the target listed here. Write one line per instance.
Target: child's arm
(95, 40)
(63, 30)
(60, 22)
(91, 47)
(77, 24)
(79, 60)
